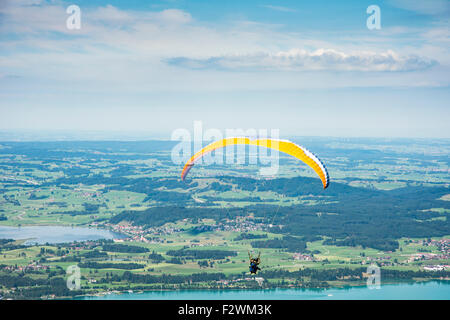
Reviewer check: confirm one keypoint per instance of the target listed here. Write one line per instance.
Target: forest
(356, 216)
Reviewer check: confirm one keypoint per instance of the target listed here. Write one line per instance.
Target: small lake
(55, 234)
(433, 290)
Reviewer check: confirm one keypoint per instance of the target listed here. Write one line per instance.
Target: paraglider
(284, 146)
(254, 262)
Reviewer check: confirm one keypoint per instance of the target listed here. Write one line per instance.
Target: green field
(89, 185)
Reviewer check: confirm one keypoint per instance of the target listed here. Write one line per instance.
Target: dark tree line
(110, 265)
(201, 254)
(124, 248)
(292, 244)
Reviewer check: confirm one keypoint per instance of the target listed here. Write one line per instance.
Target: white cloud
(430, 7)
(175, 16)
(112, 74)
(278, 8)
(36, 16)
(127, 49)
(110, 15)
(303, 60)
(31, 17)
(439, 34)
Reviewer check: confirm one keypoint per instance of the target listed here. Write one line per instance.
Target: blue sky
(304, 67)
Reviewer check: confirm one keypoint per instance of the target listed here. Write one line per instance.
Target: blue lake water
(433, 290)
(55, 234)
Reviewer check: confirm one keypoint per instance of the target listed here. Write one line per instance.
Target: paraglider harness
(254, 262)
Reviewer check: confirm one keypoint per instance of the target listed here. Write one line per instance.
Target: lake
(433, 290)
(55, 234)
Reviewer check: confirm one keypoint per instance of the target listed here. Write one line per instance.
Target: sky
(307, 68)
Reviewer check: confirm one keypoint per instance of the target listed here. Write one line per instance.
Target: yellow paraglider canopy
(285, 146)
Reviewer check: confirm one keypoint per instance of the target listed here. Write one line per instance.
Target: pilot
(254, 262)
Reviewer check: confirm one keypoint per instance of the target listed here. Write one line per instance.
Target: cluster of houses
(87, 193)
(27, 268)
(260, 280)
(134, 233)
(126, 228)
(437, 267)
(428, 256)
(381, 261)
(443, 245)
(137, 233)
(303, 257)
(240, 224)
(137, 238)
(163, 230)
(206, 244)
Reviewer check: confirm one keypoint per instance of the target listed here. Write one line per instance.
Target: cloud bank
(303, 60)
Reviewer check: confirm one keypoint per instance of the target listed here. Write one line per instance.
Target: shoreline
(331, 286)
(348, 287)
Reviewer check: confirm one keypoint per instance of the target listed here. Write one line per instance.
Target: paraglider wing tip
(186, 169)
